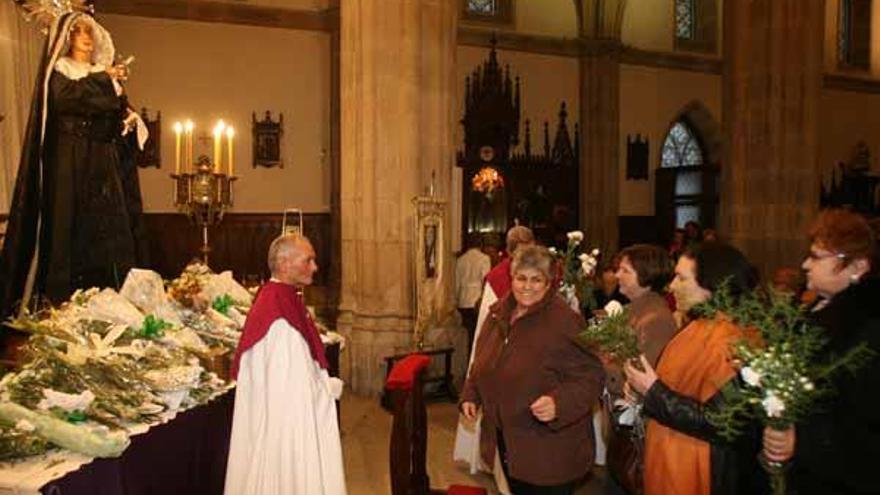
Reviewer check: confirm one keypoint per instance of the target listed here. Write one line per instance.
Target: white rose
(750, 376)
(584, 257)
(595, 252)
(25, 425)
(613, 308)
(552, 250)
(773, 405)
(587, 267)
(575, 236)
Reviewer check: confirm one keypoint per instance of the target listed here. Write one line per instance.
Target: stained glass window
(482, 7)
(854, 33)
(682, 152)
(681, 148)
(685, 17)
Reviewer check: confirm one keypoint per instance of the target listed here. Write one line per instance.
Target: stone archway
(707, 128)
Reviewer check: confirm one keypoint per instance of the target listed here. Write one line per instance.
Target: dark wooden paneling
(638, 229)
(854, 84)
(239, 243)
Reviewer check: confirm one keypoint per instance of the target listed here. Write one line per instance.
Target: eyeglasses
(814, 256)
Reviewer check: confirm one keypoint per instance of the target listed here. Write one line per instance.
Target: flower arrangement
(577, 272)
(782, 373)
(612, 335)
(99, 365)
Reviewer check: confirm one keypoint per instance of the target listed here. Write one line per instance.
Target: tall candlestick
(189, 143)
(178, 128)
(230, 133)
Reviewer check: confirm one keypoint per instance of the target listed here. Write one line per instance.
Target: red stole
(499, 278)
(277, 300)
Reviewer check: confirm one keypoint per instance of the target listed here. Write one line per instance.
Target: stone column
(599, 24)
(397, 87)
(600, 124)
(771, 89)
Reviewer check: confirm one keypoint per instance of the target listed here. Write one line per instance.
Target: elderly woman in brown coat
(535, 383)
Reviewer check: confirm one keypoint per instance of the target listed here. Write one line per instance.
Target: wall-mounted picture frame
(151, 155)
(267, 140)
(637, 157)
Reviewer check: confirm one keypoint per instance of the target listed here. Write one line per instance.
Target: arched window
(696, 25)
(854, 34)
(686, 186)
(482, 7)
(681, 148)
(685, 25)
(487, 11)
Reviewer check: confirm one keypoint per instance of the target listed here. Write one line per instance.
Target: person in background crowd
(677, 244)
(693, 234)
(534, 382)
(471, 269)
(643, 274)
(607, 288)
(683, 452)
(835, 449)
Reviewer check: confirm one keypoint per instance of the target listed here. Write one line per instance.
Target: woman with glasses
(835, 450)
(534, 383)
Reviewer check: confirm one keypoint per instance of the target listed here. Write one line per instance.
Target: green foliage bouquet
(612, 335)
(781, 373)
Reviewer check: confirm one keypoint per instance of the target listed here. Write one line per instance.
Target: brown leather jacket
(539, 354)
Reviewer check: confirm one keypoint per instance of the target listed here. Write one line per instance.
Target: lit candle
(178, 129)
(218, 145)
(188, 127)
(230, 133)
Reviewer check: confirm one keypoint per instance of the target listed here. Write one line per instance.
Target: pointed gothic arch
(686, 179)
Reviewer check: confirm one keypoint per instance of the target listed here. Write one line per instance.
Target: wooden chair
(409, 432)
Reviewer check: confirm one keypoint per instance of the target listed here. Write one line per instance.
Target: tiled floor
(366, 429)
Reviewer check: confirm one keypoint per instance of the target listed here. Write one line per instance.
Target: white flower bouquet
(577, 272)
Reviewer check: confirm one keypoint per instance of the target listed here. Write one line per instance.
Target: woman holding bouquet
(683, 452)
(643, 274)
(535, 383)
(836, 449)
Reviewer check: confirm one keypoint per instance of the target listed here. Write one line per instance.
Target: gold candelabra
(203, 192)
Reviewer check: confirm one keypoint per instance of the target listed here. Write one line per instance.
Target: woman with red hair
(836, 449)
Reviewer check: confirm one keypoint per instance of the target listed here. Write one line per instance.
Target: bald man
(285, 439)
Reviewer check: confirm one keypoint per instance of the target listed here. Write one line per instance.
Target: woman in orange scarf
(683, 454)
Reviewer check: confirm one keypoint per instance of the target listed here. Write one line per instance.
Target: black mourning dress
(86, 235)
(70, 225)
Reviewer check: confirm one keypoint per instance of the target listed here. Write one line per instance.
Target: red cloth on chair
(465, 490)
(404, 371)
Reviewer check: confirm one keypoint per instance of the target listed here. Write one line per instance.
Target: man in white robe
(285, 438)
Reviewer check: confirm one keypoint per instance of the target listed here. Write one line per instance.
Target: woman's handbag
(626, 452)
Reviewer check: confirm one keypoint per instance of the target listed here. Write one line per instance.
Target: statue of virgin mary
(70, 224)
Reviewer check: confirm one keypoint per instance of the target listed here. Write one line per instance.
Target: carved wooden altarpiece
(506, 181)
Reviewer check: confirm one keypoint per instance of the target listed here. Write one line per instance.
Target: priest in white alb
(285, 438)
